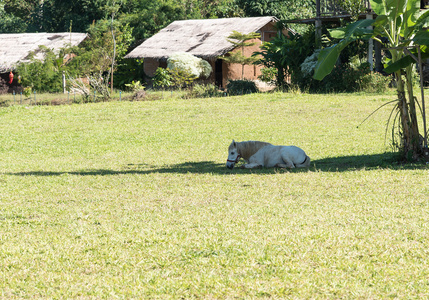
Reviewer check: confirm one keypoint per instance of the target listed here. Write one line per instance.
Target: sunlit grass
(133, 200)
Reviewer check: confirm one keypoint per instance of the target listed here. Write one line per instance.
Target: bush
(27, 91)
(268, 75)
(190, 64)
(135, 86)
(374, 82)
(204, 91)
(240, 87)
(348, 77)
(162, 78)
(43, 76)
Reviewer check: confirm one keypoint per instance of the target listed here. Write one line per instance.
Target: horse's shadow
(329, 164)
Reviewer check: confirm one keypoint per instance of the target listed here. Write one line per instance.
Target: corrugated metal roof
(202, 38)
(15, 47)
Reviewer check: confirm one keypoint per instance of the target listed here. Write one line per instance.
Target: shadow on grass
(329, 164)
(359, 162)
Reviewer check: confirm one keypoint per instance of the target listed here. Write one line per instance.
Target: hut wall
(150, 65)
(234, 71)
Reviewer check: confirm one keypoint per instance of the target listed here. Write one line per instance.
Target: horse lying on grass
(262, 154)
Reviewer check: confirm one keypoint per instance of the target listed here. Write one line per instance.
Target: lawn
(133, 200)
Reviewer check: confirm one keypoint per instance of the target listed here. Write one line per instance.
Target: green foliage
(204, 91)
(128, 70)
(353, 7)
(27, 91)
(268, 75)
(285, 54)
(43, 76)
(283, 10)
(94, 56)
(241, 41)
(374, 82)
(308, 65)
(184, 68)
(9, 22)
(147, 17)
(328, 56)
(187, 63)
(135, 86)
(402, 23)
(181, 78)
(241, 87)
(346, 77)
(60, 15)
(96, 53)
(162, 78)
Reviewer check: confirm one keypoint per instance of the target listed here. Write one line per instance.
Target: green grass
(133, 200)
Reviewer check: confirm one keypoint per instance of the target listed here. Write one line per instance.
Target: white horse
(261, 154)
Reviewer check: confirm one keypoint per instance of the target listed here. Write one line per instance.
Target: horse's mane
(248, 148)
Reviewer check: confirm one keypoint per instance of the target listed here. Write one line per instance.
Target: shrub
(181, 77)
(240, 87)
(204, 91)
(43, 76)
(268, 75)
(27, 91)
(374, 82)
(162, 78)
(135, 86)
(190, 64)
(347, 77)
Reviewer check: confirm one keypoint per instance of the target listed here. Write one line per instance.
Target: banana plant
(404, 25)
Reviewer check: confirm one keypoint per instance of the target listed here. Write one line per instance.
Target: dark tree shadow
(329, 164)
(365, 162)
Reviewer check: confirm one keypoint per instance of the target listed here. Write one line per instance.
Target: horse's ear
(234, 144)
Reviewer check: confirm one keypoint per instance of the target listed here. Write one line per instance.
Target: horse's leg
(290, 166)
(287, 163)
(254, 162)
(280, 166)
(251, 166)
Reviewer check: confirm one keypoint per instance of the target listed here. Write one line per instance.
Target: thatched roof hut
(206, 39)
(202, 38)
(16, 48)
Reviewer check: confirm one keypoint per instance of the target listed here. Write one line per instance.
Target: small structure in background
(206, 39)
(16, 48)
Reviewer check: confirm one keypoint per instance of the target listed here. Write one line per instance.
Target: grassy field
(133, 200)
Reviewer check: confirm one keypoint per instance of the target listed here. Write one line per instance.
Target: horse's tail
(305, 163)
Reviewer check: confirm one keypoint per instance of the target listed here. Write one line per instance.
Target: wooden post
(64, 82)
(370, 47)
(318, 25)
(425, 138)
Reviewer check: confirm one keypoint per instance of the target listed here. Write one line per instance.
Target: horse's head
(233, 155)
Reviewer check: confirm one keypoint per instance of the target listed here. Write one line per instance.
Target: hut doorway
(218, 73)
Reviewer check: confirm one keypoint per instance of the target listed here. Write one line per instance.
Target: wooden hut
(206, 39)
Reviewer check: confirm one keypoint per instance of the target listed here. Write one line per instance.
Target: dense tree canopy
(145, 17)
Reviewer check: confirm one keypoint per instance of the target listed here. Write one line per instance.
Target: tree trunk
(404, 116)
(414, 127)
